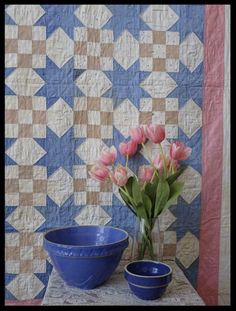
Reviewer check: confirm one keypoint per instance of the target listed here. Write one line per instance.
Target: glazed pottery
(85, 256)
(148, 279)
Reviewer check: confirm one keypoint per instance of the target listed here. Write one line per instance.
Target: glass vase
(147, 242)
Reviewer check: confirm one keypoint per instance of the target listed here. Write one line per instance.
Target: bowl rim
(148, 276)
(85, 246)
(142, 286)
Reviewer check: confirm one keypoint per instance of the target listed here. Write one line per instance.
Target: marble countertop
(116, 292)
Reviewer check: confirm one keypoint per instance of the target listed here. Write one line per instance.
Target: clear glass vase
(147, 242)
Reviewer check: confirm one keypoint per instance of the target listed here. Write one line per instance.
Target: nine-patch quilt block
(77, 78)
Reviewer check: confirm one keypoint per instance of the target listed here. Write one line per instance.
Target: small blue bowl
(148, 279)
(85, 256)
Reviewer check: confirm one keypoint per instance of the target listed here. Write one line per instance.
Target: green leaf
(147, 204)
(173, 177)
(127, 202)
(155, 181)
(175, 190)
(141, 211)
(150, 189)
(136, 192)
(162, 195)
(129, 185)
(124, 197)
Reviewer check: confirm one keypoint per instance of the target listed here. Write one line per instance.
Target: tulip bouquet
(155, 187)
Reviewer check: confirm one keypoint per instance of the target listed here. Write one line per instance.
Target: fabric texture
(77, 77)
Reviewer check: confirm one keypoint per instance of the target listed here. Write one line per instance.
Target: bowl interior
(86, 235)
(148, 268)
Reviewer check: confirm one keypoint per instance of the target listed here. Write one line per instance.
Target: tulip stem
(149, 158)
(126, 192)
(172, 166)
(153, 175)
(164, 159)
(146, 151)
(127, 161)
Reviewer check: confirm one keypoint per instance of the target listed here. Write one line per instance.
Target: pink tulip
(174, 164)
(158, 162)
(108, 156)
(155, 132)
(145, 173)
(99, 172)
(119, 176)
(129, 148)
(178, 151)
(138, 135)
(170, 163)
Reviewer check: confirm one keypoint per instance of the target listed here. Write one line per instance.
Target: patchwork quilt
(77, 78)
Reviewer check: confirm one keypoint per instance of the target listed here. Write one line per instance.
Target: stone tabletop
(116, 292)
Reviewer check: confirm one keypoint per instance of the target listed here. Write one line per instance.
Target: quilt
(77, 77)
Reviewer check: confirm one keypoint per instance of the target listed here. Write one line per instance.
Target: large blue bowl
(85, 256)
(148, 279)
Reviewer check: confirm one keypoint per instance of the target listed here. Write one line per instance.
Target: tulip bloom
(174, 164)
(178, 151)
(154, 132)
(145, 173)
(108, 156)
(129, 148)
(158, 162)
(119, 176)
(99, 172)
(138, 135)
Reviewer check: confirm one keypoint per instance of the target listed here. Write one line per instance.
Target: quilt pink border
(212, 154)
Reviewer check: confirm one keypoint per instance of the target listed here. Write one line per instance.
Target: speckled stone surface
(116, 292)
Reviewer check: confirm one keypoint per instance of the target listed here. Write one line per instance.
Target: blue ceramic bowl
(85, 256)
(148, 279)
